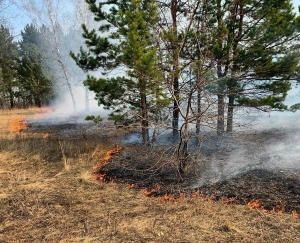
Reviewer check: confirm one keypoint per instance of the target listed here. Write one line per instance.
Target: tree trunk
(237, 11)
(198, 122)
(175, 79)
(38, 102)
(220, 120)
(221, 74)
(144, 122)
(183, 150)
(87, 105)
(183, 147)
(175, 121)
(69, 86)
(30, 100)
(24, 102)
(199, 92)
(230, 114)
(11, 100)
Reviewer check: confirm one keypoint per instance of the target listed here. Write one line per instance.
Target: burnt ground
(276, 190)
(145, 168)
(258, 174)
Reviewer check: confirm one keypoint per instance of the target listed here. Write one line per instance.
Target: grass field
(48, 194)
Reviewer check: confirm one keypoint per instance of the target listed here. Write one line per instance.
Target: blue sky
(16, 17)
(296, 4)
(19, 18)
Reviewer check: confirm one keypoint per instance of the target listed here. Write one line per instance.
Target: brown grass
(47, 194)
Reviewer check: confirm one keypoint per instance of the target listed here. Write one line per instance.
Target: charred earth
(261, 166)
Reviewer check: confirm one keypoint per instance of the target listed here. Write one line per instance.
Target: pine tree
(8, 67)
(33, 75)
(176, 19)
(251, 52)
(128, 45)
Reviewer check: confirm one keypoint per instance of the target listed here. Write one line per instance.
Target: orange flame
(131, 186)
(150, 192)
(47, 135)
(196, 194)
(254, 203)
(44, 111)
(280, 210)
(211, 197)
(110, 153)
(167, 198)
(230, 200)
(181, 197)
(170, 198)
(295, 214)
(18, 125)
(99, 175)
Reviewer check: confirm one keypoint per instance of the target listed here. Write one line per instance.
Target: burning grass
(157, 176)
(48, 194)
(99, 174)
(13, 121)
(18, 125)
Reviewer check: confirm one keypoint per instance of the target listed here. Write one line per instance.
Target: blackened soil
(278, 191)
(275, 190)
(144, 167)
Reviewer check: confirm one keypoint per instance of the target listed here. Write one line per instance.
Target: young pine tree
(126, 47)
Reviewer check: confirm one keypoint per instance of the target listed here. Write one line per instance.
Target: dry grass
(47, 194)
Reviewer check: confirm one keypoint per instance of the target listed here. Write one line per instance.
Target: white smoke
(271, 142)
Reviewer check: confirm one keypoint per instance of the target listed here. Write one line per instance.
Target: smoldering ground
(263, 141)
(257, 162)
(260, 161)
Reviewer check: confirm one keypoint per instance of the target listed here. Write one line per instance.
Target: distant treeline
(33, 69)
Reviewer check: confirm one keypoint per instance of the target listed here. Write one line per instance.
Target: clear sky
(296, 4)
(18, 18)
